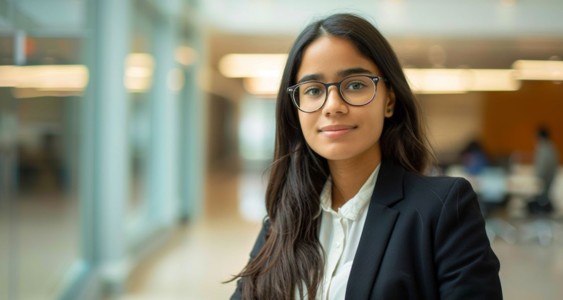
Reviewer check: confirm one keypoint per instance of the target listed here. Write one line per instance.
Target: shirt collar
(353, 208)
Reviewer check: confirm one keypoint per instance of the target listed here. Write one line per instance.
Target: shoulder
(262, 236)
(399, 188)
(434, 195)
(435, 186)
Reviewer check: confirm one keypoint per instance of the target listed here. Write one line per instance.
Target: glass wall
(140, 63)
(7, 161)
(92, 154)
(256, 148)
(39, 131)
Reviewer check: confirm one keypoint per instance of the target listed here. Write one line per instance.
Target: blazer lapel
(377, 229)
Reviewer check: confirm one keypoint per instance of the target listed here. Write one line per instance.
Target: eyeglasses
(357, 90)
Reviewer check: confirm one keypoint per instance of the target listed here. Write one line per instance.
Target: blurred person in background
(350, 213)
(474, 158)
(546, 164)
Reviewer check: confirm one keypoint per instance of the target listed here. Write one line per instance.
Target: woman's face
(338, 131)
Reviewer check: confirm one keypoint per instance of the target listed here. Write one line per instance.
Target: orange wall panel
(511, 118)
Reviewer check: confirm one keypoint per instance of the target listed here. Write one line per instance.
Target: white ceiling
(452, 18)
(477, 33)
(47, 17)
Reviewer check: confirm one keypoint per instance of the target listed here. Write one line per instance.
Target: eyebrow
(343, 73)
(353, 71)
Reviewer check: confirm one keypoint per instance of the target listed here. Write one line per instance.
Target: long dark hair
(291, 258)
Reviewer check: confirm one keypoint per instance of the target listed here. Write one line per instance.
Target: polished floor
(205, 253)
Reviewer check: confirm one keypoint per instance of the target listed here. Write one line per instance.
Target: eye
(355, 85)
(312, 90)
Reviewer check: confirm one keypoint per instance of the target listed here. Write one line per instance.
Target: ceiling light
(436, 81)
(45, 77)
(493, 80)
(539, 69)
(265, 86)
(252, 65)
(139, 68)
(440, 81)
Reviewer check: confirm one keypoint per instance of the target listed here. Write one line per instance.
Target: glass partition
(139, 80)
(44, 215)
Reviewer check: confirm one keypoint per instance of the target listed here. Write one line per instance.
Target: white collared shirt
(339, 235)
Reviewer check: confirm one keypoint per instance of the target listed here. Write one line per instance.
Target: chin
(345, 152)
(336, 155)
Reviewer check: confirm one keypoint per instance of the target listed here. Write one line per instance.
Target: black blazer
(423, 238)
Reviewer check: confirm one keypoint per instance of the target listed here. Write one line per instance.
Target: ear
(389, 104)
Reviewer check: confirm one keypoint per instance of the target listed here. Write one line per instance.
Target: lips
(336, 130)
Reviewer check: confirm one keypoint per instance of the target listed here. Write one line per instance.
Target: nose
(334, 103)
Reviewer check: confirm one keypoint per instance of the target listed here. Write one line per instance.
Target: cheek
(307, 124)
(375, 125)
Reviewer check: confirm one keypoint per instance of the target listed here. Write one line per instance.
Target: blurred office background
(135, 135)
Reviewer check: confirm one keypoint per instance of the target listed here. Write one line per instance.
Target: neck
(348, 178)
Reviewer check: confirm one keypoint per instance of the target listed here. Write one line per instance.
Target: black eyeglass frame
(291, 90)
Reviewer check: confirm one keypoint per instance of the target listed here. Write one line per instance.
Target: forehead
(328, 56)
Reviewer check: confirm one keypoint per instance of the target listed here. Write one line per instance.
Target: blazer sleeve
(466, 266)
(260, 240)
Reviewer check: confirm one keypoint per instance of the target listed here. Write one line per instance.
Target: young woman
(350, 213)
